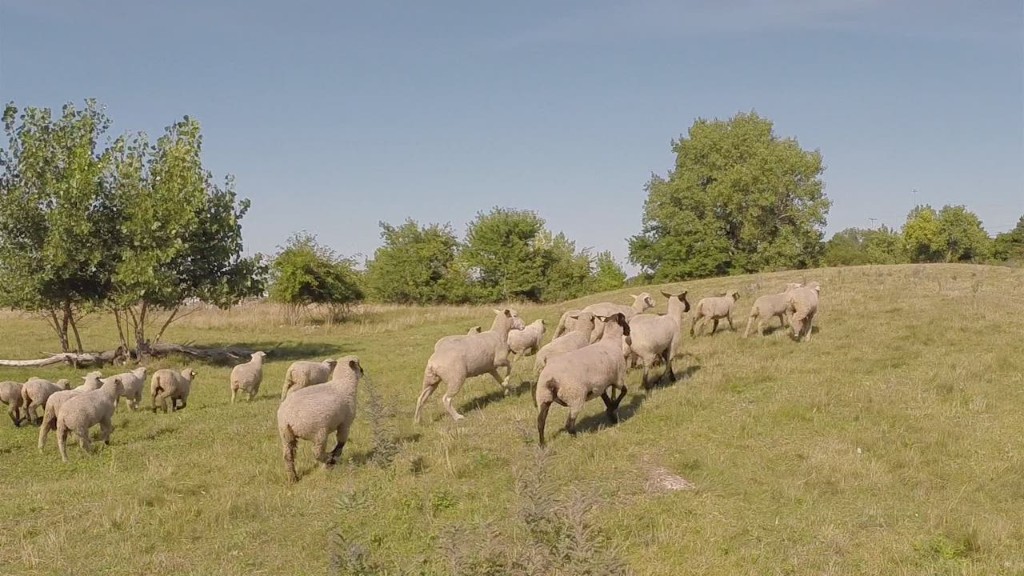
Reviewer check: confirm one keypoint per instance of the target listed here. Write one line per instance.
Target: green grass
(888, 444)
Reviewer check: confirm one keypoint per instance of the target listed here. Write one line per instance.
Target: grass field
(891, 443)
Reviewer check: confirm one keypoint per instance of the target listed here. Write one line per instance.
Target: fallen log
(78, 360)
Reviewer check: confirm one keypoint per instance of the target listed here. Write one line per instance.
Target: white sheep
(803, 305)
(767, 306)
(656, 336)
(579, 375)
(641, 303)
(306, 373)
(247, 377)
(10, 394)
(714, 308)
(526, 341)
(84, 411)
(134, 383)
(474, 355)
(315, 412)
(582, 327)
(517, 324)
(167, 384)
(59, 398)
(35, 391)
(566, 323)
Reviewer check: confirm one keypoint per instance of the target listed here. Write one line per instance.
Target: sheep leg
(609, 408)
(233, 392)
(84, 441)
(542, 417)
(750, 321)
(643, 381)
(342, 437)
(288, 445)
(320, 446)
(714, 325)
(12, 412)
(424, 395)
(570, 422)
(62, 440)
(731, 327)
(106, 427)
(667, 357)
(447, 401)
(502, 383)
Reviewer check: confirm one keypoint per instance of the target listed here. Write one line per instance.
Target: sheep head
(681, 297)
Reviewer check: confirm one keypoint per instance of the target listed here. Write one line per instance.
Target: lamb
(574, 377)
(803, 305)
(655, 336)
(34, 393)
(314, 412)
(84, 411)
(474, 355)
(526, 341)
(133, 383)
(167, 384)
(59, 398)
(306, 373)
(10, 394)
(641, 302)
(247, 377)
(714, 308)
(767, 306)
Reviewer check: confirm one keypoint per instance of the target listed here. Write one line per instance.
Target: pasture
(888, 444)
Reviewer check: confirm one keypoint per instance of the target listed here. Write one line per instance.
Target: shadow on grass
(481, 402)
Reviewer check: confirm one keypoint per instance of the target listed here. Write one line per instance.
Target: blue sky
(336, 115)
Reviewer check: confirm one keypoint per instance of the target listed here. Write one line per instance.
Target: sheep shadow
(663, 380)
(481, 402)
(595, 422)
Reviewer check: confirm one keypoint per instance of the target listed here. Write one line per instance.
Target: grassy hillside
(888, 444)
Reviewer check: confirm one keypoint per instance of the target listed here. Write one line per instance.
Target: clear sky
(336, 115)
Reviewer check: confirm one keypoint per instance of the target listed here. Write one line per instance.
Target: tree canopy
(739, 199)
(953, 234)
(305, 272)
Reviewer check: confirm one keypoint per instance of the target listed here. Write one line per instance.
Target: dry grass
(888, 444)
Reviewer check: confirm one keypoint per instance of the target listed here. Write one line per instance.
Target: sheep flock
(588, 356)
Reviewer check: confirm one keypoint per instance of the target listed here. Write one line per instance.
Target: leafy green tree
(739, 199)
(181, 236)
(566, 272)
(417, 265)
(1009, 246)
(305, 273)
(608, 274)
(502, 252)
(858, 246)
(953, 234)
(57, 221)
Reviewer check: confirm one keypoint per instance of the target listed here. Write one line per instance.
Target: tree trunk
(70, 314)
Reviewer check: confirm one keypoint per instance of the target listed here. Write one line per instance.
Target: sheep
(84, 411)
(35, 391)
(59, 398)
(474, 355)
(517, 324)
(582, 327)
(133, 382)
(714, 308)
(657, 336)
(306, 373)
(574, 377)
(641, 302)
(314, 412)
(803, 305)
(10, 394)
(167, 384)
(768, 306)
(526, 341)
(247, 377)
(566, 323)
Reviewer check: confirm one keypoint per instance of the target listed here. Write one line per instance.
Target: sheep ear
(353, 364)
(508, 313)
(666, 294)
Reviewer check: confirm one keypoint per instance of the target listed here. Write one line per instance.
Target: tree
(1009, 246)
(608, 275)
(740, 199)
(305, 273)
(858, 246)
(566, 272)
(57, 221)
(417, 265)
(953, 234)
(180, 234)
(503, 255)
